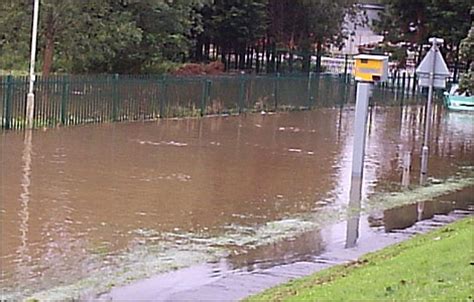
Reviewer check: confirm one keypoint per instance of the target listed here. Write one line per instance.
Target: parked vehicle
(455, 100)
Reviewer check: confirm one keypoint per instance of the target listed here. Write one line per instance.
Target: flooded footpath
(297, 257)
(88, 209)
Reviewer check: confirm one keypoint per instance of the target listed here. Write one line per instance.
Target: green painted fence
(72, 100)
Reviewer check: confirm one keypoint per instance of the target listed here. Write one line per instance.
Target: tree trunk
(305, 47)
(306, 61)
(198, 52)
(264, 54)
(242, 53)
(274, 55)
(250, 58)
(224, 58)
(456, 64)
(268, 59)
(207, 55)
(49, 46)
(257, 59)
(290, 61)
(420, 55)
(319, 54)
(278, 63)
(236, 58)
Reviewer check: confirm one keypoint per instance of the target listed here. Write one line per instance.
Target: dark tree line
(415, 21)
(153, 36)
(244, 33)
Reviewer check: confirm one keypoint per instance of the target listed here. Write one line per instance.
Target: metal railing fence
(71, 100)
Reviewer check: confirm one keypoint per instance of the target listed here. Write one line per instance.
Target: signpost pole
(358, 153)
(368, 69)
(434, 73)
(30, 98)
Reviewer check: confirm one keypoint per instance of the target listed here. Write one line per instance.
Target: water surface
(75, 200)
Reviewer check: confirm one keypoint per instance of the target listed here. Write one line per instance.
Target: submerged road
(81, 204)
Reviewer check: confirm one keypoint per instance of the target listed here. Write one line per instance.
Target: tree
(136, 36)
(303, 24)
(102, 33)
(467, 53)
(14, 37)
(232, 26)
(417, 20)
(99, 35)
(167, 29)
(451, 21)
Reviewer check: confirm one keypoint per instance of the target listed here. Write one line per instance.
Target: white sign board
(424, 81)
(440, 69)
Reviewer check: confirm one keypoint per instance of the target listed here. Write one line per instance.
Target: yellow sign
(371, 68)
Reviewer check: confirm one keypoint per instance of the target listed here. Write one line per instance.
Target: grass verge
(438, 266)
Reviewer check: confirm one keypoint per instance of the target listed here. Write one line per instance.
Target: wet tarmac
(88, 201)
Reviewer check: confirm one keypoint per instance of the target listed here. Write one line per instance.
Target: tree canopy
(145, 36)
(413, 22)
(467, 53)
(98, 35)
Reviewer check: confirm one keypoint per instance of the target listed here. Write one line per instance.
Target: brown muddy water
(97, 206)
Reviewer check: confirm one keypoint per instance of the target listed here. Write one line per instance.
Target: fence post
(8, 102)
(115, 97)
(275, 90)
(406, 170)
(404, 76)
(205, 95)
(242, 94)
(346, 62)
(394, 78)
(310, 79)
(164, 96)
(344, 93)
(64, 96)
(414, 84)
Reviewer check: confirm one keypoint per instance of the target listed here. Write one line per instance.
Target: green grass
(438, 266)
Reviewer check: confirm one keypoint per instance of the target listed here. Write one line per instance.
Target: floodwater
(76, 201)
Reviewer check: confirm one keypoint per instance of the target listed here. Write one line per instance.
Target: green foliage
(14, 37)
(417, 20)
(238, 23)
(136, 36)
(166, 30)
(97, 35)
(161, 67)
(436, 266)
(467, 53)
(301, 24)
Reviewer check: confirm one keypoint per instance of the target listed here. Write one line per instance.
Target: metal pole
(425, 149)
(310, 79)
(30, 99)
(360, 127)
(346, 59)
(358, 153)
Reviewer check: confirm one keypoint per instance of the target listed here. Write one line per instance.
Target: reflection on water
(352, 230)
(73, 200)
(24, 270)
(407, 215)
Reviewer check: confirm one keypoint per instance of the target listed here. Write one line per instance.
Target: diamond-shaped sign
(441, 71)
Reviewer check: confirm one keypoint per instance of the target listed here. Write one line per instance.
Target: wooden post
(406, 170)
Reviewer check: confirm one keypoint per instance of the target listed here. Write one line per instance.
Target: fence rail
(72, 100)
